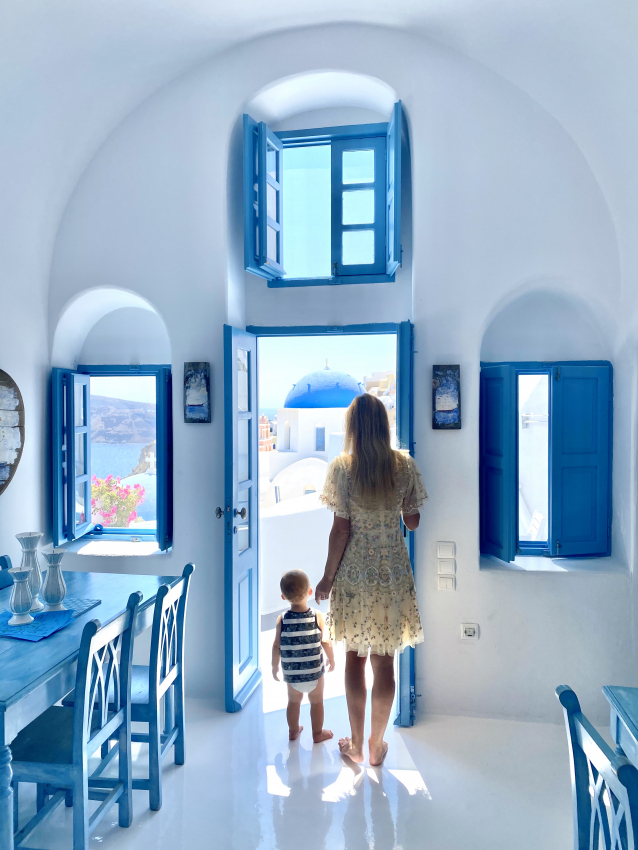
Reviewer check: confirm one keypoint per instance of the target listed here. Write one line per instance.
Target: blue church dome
(325, 388)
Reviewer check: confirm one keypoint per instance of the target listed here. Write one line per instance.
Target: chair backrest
(167, 635)
(604, 785)
(6, 579)
(104, 663)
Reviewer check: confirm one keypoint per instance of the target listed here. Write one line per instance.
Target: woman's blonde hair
(373, 462)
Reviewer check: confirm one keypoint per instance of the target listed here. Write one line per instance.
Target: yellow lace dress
(373, 603)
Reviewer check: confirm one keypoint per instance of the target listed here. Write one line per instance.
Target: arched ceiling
(70, 70)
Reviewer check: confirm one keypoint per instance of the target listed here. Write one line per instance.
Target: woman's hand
(322, 591)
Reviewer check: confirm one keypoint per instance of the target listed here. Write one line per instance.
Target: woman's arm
(276, 650)
(411, 521)
(339, 534)
(326, 642)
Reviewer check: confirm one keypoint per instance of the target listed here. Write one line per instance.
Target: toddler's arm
(276, 650)
(326, 643)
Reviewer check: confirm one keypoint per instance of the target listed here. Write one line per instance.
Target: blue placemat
(46, 622)
(43, 625)
(79, 606)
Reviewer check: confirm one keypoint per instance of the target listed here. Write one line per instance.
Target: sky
(283, 360)
(133, 388)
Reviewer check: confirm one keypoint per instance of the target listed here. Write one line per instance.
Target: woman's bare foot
(346, 749)
(377, 754)
(292, 736)
(324, 735)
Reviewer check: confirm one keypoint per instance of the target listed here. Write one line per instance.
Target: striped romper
(301, 650)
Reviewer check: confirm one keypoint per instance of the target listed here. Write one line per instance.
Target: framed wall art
(446, 397)
(197, 407)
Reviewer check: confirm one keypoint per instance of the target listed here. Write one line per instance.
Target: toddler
(299, 644)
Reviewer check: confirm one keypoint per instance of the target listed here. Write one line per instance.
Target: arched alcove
(544, 325)
(322, 90)
(110, 326)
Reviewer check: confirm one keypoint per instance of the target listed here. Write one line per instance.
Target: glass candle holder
(54, 589)
(20, 601)
(29, 541)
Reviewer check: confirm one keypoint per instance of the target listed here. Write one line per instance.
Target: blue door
(405, 702)
(241, 582)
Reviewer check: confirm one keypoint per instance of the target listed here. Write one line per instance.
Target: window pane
(271, 161)
(271, 196)
(242, 380)
(242, 525)
(307, 209)
(358, 247)
(78, 401)
(80, 460)
(533, 457)
(358, 166)
(358, 207)
(243, 458)
(79, 503)
(124, 451)
(271, 247)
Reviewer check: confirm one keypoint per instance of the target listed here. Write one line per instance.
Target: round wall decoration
(11, 429)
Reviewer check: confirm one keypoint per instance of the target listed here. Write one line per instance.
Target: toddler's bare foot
(324, 735)
(292, 736)
(346, 749)
(377, 754)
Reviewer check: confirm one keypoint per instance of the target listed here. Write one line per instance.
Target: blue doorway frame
(405, 701)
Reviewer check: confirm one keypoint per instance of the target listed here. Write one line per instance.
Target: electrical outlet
(447, 583)
(470, 631)
(447, 566)
(445, 550)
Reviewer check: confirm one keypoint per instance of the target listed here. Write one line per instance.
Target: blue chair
(604, 785)
(54, 749)
(161, 680)
(6, 579)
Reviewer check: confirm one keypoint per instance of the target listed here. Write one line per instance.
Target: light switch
(447, 566)
(446, 582)
(445, 550)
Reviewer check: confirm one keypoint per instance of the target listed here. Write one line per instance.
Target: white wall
(503, 203)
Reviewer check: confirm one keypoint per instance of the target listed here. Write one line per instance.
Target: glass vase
(29, 541)
(54, 589)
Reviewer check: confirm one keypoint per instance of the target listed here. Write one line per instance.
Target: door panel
(405, 701)
(241, 549)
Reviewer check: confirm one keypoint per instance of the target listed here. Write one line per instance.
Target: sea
(115, 458)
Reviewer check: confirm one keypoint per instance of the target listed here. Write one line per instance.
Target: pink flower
(108, 478)
(137, 486)
(93, 503)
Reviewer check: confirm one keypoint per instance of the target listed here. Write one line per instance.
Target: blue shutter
(498, 461)
(164, 436)
(393, 191)
(71, 455)
(580, 461)
(374, 228)
(263, 191)
(59, 454)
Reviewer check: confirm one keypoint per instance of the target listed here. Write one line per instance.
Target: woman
(368, 577)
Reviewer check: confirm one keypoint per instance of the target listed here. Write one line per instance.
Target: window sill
(538, 564)
(281, 282)
(113, 548)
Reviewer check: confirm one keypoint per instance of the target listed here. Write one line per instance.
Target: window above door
(331, 201)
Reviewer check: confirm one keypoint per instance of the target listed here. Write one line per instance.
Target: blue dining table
(35, 675)
(623, 708)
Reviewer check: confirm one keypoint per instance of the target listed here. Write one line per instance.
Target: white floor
(447, 784)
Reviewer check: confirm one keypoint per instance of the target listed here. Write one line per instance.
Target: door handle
(219, 513)
(243, 513)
